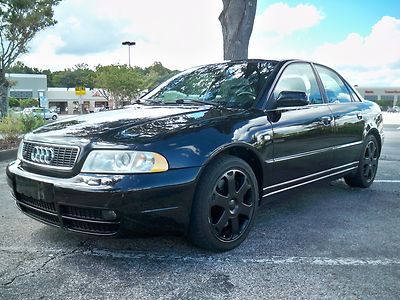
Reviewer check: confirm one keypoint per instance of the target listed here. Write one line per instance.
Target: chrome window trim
(51, 145)
(310, 181)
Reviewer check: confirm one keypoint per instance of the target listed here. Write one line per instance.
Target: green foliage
(385, 104)
(156, 74)
(13, 102)
(31, 122)
(120, 82)
(11, 127)
(80, 75)
(117, 82)
(28, 103)
(20, 20)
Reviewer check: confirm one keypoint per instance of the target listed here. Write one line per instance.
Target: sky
(360, 39)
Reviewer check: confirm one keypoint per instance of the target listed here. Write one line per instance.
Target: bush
(28, 102)
(31, 122)
(11, 127)
(13, 102)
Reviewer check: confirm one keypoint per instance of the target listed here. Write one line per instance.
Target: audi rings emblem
(42, 155)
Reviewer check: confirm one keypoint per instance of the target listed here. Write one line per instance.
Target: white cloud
(373, 59)
(282, 20)
(278, 23)
(380, 47)
(179, 33)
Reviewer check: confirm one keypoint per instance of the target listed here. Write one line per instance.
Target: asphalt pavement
(323, 241)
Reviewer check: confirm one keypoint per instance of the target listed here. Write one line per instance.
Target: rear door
(302, 135)
(348, 116)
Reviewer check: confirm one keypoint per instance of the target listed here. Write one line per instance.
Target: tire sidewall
(360, 170)
(201, 205)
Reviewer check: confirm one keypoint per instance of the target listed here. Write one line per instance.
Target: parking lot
(325, 240)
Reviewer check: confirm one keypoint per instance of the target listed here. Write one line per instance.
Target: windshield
(230, 84)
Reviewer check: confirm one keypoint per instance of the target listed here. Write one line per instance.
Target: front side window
(299, 77)
(231, 84)
(336, 90)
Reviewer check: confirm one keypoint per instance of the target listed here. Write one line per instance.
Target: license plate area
(34, 189)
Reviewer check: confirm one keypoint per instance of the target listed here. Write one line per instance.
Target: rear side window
(299, 77)
(335, 88)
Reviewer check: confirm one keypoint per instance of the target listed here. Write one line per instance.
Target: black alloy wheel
(370, 162)
(225, 204)
(367, 166)
(232, 205)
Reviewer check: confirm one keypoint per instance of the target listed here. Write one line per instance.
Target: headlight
(20, 149)
(121, 161)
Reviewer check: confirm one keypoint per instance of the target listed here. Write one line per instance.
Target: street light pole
(129, 44)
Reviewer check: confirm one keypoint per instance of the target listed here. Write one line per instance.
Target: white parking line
(387, 180)
(275, 260)
(271, 260)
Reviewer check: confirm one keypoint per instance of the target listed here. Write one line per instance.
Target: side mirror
(290, 98)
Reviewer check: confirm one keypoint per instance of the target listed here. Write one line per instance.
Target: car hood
(138, 121)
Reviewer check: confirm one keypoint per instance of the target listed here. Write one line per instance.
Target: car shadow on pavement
(301, 220)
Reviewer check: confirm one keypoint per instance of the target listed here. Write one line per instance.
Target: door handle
(359, 116)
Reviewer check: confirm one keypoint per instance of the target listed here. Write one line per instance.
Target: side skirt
(287, 185)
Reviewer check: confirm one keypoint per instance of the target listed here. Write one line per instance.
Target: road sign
(80, 91)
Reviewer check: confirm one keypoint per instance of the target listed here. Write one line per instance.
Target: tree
(80, 75)
(237, 19)
(156, 74)
(20, 20)
(119, 83)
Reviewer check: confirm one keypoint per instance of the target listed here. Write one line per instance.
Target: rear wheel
(367, 166)
(54, 117)
(225, 205)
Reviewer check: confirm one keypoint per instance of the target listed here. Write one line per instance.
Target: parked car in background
(394, 109)
(197, 154)
(44, 113)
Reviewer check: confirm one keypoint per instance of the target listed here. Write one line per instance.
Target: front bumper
(106, 204)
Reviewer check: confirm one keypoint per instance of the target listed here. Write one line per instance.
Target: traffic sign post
(80, 91)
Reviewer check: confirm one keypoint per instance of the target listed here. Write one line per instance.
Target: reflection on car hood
(136, 121)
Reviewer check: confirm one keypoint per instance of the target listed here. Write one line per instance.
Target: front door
(302, 135)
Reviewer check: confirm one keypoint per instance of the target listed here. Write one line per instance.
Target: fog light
(109, 215)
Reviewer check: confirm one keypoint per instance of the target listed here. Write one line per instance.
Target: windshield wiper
(153, 101)
(204, 102)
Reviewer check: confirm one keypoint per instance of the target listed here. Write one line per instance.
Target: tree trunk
(3, 94)
(237, 19)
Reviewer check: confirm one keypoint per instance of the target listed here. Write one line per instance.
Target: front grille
(82, 213)
(91, 227)
(64, 157)
(38, 214)
(85, 220)
(48, 206)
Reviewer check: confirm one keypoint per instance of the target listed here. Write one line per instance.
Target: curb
(8, 154)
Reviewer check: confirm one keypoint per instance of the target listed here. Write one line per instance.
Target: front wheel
(225, 205)
(54, 117)
(367, 166)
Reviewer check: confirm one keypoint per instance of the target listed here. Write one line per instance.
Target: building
(65, 101)
(384, 96)
(61, 100)
(27, 86)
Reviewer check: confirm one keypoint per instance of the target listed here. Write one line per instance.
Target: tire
(225, 205)
(367, 166)
(54, 117)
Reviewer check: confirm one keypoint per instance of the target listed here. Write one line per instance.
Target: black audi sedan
(197, 154)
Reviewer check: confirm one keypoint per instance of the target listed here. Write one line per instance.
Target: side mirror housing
(291, 98)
